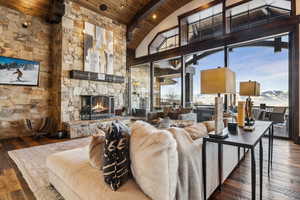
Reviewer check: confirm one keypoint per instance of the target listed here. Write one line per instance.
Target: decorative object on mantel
(91, 76)
(15, 71)
(98, 49)
(250, 88)
(217, 81)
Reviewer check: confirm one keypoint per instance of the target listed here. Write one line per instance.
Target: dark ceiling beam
(273, 44)
(142, 15)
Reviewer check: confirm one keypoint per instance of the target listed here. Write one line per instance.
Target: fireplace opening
(97, 107)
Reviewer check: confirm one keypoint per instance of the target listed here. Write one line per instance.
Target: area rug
(32, 164)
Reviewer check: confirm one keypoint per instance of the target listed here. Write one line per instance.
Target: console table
(243, 139)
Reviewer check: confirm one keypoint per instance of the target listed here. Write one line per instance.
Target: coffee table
(246, 140)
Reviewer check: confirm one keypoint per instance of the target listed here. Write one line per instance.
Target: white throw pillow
(154, 161)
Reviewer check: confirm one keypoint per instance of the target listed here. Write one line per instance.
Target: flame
(99, 107)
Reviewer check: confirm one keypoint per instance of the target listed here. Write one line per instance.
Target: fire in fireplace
(97, 107)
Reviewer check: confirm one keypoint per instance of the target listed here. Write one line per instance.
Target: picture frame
(19, 72)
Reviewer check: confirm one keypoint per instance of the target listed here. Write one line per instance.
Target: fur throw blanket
(189, 180)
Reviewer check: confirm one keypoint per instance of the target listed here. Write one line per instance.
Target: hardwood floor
(284, 183)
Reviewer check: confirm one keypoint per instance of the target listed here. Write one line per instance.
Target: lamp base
(221, 135)
(249, 128)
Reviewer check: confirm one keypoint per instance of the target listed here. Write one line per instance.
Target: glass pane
(140, 88)
(202, 25)
(206, 60)
(257, 12)
(164, 41)
(167, 84)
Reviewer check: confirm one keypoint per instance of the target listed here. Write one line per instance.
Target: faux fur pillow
(154, 160)
(96, 148)
(197, 131)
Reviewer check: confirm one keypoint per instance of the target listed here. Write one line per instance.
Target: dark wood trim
(294, 7)
(128, 70)
(226, 64)
(91, 76)
(291, 101)
(142, 15)
(260, 31)
(294, 64)
(182, 61)
(237, 4)
(224, 22)
(151, 86)
(203, 7)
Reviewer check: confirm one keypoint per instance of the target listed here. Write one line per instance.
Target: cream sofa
(73, 177)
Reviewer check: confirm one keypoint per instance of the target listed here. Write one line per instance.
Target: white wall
(297, 7)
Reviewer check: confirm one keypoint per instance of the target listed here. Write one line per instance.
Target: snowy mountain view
(270, 98)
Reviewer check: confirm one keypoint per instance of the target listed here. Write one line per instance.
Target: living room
(200, 96)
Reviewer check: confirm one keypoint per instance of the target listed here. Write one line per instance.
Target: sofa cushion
(72, 167)
(197, 131)
(96, 150)
(116, 161)
(154, 160)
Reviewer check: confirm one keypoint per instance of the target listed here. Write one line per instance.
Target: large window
(167, 84)
(266, 62)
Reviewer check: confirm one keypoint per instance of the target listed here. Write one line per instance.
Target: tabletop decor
(218, 81)
(250, 88)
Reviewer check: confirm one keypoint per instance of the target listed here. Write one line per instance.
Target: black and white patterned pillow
(116, 161)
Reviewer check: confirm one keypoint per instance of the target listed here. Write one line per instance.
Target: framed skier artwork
(14, 71)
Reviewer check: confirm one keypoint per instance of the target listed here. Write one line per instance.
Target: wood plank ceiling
(122, 14)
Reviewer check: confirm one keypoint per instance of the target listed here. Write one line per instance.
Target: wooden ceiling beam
(142, 15)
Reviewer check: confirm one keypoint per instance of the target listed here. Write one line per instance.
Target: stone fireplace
(97, 107)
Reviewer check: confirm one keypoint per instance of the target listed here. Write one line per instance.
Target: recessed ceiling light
(154, 16)
(26, 24)
(103, 7)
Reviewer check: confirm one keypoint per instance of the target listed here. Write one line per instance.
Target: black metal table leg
(204, 167)
(269, 152)
(261, 167)
(253, 174)
(272, 145)
(239, 155)
(220, 165)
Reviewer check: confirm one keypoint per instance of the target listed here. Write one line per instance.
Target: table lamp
(250, 89)
(218, 81)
